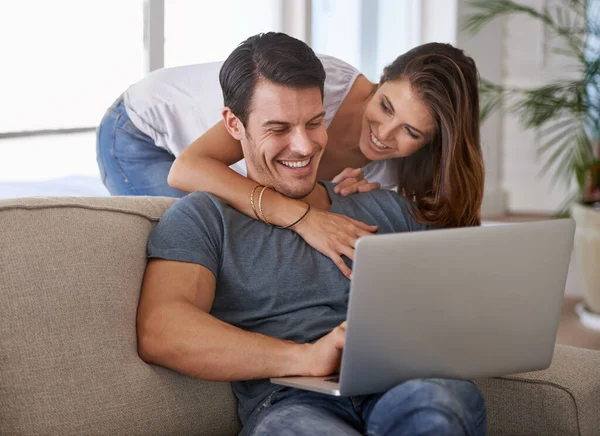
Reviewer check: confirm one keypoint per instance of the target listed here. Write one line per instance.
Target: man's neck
(318, 198)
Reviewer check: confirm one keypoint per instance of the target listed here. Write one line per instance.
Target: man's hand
(324, 356)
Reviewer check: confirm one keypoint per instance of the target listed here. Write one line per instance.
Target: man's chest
(277, 270)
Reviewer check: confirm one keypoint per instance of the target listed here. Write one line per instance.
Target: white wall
(487, 50)
(441, 22)
(528, 61)
(517, 52)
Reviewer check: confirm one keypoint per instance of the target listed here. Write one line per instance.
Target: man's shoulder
(385, 197)
(389, 200)
(191, 231)
(193, 217)
(198, 199)
(388, 206)
(199, 206)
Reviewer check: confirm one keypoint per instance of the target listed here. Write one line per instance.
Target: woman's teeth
(377, 142)
(296, 164)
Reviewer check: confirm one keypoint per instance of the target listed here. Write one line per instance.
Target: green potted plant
(566, 115)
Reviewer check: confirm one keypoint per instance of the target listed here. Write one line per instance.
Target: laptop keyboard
(335, 379)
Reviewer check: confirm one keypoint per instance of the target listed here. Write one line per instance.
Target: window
(367, 34)
(68, 60)
(65, 61)
(40, 158)
(198, 31)
(336, 29)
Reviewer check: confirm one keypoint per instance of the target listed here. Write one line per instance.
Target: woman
(418, 129)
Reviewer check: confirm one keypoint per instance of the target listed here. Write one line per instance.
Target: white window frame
(295, 20)
(154, 35)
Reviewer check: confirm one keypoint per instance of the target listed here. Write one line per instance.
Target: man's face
(285, 138)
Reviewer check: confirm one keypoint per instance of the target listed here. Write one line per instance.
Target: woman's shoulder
(384, 172)
(165, 83)
(339, 78)
(186, 72)
(339, 75)
(331, 63)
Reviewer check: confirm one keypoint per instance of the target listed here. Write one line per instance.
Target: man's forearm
(193, 342)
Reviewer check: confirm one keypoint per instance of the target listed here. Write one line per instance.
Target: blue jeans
(416, 407)
(130, 162)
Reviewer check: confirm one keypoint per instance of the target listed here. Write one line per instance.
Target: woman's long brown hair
(445, 177)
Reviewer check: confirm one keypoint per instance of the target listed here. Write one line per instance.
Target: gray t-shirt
(268, 279)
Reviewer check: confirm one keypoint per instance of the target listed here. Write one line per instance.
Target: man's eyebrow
(286, 123)
(275, 122)
(391, 106)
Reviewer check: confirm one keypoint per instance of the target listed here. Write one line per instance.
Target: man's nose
(300, 142)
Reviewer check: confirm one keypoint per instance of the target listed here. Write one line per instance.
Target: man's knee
(300, 419)
(432, 406)
(460, 396)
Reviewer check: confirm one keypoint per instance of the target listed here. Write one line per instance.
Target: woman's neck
(345, 129)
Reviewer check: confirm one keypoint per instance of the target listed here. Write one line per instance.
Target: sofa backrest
(71, 271)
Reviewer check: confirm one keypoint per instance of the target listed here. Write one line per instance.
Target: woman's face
(395, 123)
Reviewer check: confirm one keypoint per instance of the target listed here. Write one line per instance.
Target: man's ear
(233, 124)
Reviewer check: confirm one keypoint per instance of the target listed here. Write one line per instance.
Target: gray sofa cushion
(70, 277)
(561, 400)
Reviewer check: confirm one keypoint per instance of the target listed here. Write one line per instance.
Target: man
(229, 298)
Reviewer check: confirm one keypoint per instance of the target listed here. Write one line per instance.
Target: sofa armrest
(561, 400)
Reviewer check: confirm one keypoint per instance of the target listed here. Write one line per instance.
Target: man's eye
(278, 131)
(313, 125)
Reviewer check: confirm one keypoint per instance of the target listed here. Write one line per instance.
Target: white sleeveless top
(175, 106)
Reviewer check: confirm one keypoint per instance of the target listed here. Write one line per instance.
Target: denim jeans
(416, 407)
(129, 161)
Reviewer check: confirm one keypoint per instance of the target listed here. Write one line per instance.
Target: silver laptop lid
(462, 303)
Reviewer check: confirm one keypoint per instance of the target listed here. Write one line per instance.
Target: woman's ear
(233, 124)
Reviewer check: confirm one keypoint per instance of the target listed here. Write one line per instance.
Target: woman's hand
(333, 235)
(351, 180)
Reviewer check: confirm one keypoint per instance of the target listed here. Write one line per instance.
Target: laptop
(457, 303)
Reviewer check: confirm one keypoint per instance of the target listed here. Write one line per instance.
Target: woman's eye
(412, 135)
(384, 107)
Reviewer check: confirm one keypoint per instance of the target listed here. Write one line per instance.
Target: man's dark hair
(271, 56)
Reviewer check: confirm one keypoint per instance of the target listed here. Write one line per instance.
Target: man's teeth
(296, 164)
(377, 142)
